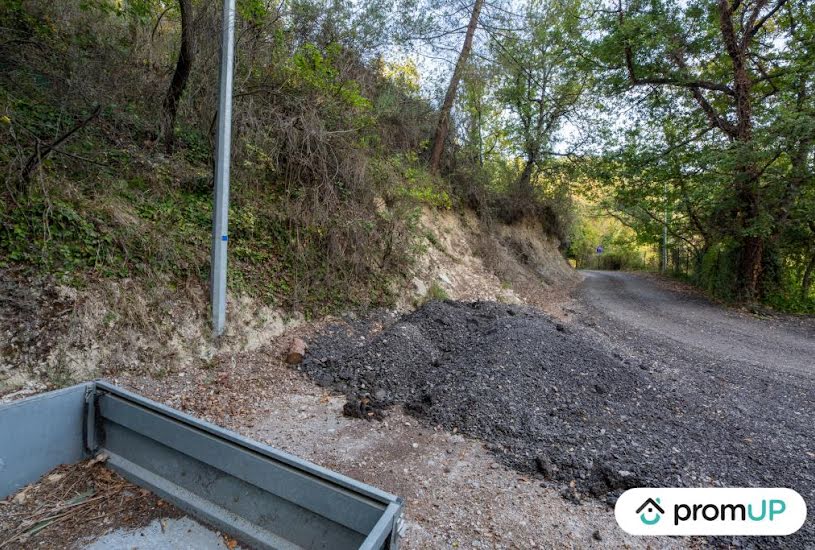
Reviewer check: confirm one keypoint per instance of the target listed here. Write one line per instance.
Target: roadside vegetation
(107, 114)
(601, 241)
(342, 132)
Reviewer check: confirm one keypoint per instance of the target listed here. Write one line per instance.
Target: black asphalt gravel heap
(546, 398)
(552, 399)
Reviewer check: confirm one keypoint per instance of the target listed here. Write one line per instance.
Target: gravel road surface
(648, 304)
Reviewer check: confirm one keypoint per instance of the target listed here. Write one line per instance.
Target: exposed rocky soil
(53, 335)
(590, 412)
(470, 261)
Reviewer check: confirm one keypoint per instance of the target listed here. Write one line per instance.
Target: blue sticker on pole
(224, 238)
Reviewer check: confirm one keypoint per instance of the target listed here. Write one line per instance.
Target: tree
(443, 125)
(726, 67)
(540, 85)
(183, 66)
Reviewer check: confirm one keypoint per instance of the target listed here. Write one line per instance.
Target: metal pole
(664, 259)
(220, 216)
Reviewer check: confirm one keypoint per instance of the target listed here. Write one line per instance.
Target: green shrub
(621, 260)
(717, 271)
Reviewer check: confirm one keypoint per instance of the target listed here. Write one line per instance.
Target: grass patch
(436, 292)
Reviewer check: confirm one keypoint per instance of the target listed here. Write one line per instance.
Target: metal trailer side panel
(38, 434)
(385, 533)
(333, 502)
(222, 498)
(260, 495)
(276, 454)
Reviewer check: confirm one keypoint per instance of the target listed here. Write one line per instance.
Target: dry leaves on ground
(74, 502)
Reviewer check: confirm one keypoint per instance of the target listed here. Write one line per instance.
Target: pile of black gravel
(555, 400)
(547, 399)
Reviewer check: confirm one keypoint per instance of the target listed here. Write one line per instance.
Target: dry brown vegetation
(329, 151)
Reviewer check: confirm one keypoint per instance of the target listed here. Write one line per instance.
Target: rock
(22, 496)
(297, 351)
(380, 205)
(616, 479)
(419, 287)
(570, 495)
(560, 328)
(596, 535)
(598, 488)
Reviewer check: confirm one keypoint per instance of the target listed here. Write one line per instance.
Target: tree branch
(760, 23)
(695, 88)
(702, 84)
(715, 119)
(40, 154)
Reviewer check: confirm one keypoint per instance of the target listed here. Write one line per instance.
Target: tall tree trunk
(443, 126)
(523, 185)
(180, 76)
(480, 138)
(751, 246)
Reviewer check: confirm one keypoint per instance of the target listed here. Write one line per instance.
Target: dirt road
(685, 318)
(741, 387)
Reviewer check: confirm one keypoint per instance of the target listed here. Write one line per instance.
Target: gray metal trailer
(259, 495)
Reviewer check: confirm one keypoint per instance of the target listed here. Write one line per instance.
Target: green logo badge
(650, 506)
